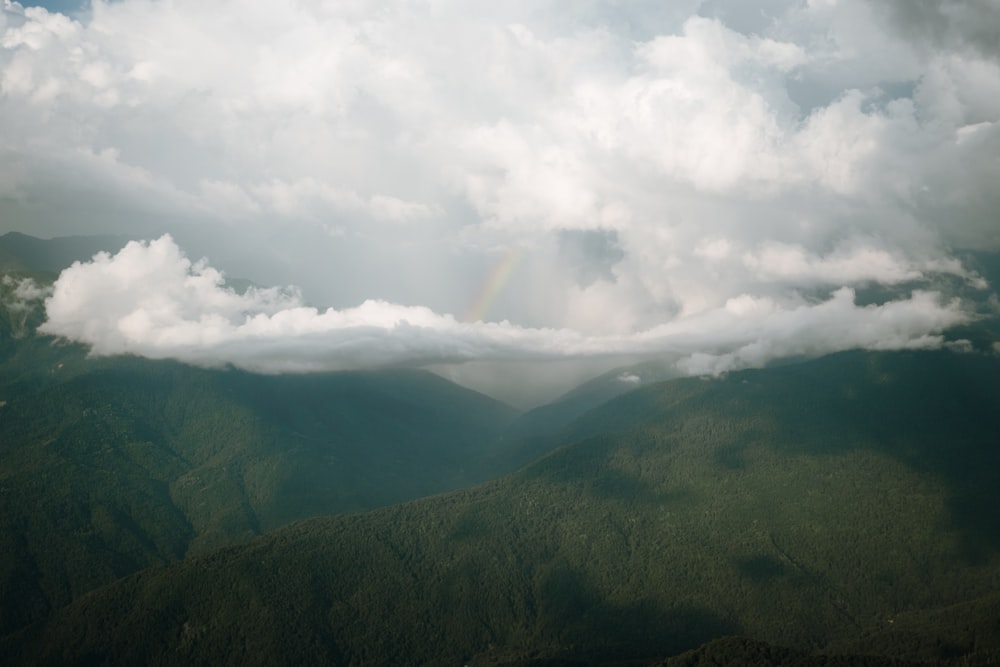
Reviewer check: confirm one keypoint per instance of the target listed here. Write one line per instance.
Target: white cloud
(864, 262)
(21, 297)
(150, 300)
(23, 292)
(629, 378)
(835, 325)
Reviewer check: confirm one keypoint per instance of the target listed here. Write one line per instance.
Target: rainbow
(493, 285)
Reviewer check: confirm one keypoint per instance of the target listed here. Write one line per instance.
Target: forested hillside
(835, 505)
(110, 465)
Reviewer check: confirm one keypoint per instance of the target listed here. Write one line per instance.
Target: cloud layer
(149, 299)
(603, 176)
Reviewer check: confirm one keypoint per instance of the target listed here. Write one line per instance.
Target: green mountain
(108, 466)
(843, 507)
(21, 252)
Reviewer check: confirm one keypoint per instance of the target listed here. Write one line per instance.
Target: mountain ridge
(19, 251)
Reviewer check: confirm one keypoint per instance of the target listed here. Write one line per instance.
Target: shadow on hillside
(761, 569)
(977, 518)
(731, 456)
(938, 413)
(587, 466)
(593, 629)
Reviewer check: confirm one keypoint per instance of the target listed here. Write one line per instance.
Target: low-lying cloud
(19, 298)
(150, 300)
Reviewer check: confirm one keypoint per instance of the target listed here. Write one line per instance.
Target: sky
(473, 187)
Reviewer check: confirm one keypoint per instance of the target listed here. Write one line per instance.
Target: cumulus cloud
(149, 299)
(651, 164)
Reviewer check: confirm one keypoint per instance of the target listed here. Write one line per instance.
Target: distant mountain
(8, 260)
(815, 506)
(552, 417)
(111, 465)
(21, 252)
(46, 258)
(537, 431)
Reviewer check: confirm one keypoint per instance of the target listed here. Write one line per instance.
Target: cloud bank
(586, 179)
(149, 299)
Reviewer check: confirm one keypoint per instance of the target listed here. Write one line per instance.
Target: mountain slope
(806, 506)
(111, 465)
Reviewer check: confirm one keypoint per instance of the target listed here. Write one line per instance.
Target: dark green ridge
(812, 507)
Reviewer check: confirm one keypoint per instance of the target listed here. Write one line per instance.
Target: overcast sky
(711, 181)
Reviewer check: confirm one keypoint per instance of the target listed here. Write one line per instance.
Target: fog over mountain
(711, 182)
